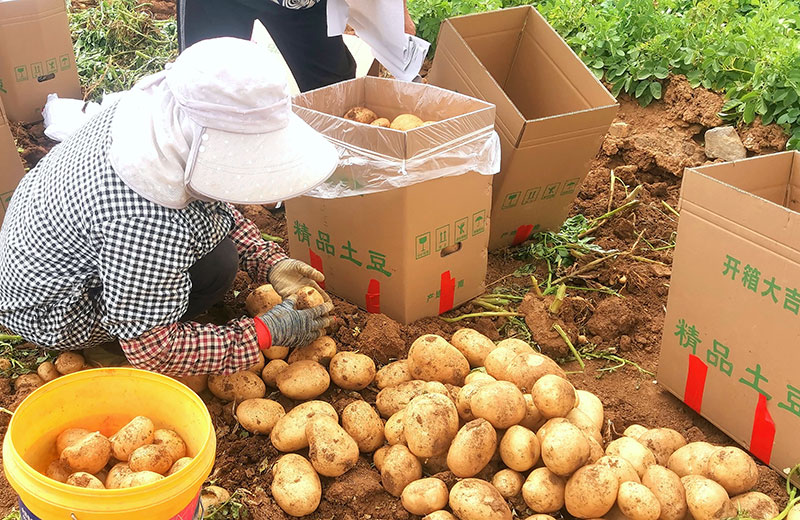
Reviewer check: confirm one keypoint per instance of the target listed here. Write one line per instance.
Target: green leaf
(655, 89)
(640, 88)
(749, 114)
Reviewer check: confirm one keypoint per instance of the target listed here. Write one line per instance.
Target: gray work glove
(290, 327)
(289, 276)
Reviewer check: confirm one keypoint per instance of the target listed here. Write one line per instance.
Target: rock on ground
(724, 143)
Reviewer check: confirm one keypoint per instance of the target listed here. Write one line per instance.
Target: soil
(649, 148)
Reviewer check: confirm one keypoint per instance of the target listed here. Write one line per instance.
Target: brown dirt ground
(661, 140)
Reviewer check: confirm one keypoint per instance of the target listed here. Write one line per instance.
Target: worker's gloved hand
(290, 327)
(289, 276)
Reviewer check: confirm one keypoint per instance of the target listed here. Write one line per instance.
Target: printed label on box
(478, 222)
(442, 237)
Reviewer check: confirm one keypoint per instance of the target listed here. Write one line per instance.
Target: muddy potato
(364, 425)
(543, 491)
(528, 367)
(262, 299)
(475, 499)
(392, 399)
(584, 424)
(432, 358)
(472, 449)
(117, 474)
(500, 403)
(289, 433)
(434, 465)
(140, 478)
(519, 448)
(662, 442)
(69, 363)
(544, 428)
(794, 514)
(271, 371)
(634, 431)
(474, 345)
(430, 424)
(258, 366)
(400, 468)
(5, 364)
(393, 374)
(596, 451)
(259, 416)
(28, 382)
(405, 122)
(553, 396)
(179, 465)
(464, 400)
(424, 496)
(84, 480)
(321, 350)
(394, 429)
(758, 506)
(361, 115)
(379, 456)
(691, 459)
(591, 405)
(539, 517)
(382, 122)
(637, 502)
(151, 457)
(533, 417)
(352, 371)
(276, 352)
(668, 489)
(707, 500)
(197, 383)
(508, 482)
(212, 497)
(565, 449)
(308, 297)
(331, 450)
(172, 442)
(90, 453)
(733, 469)
(47, 371)
(303, 380)
(633, 451)
(69, 437)
(58, 470)
(478, 375)
(295, 485)
(623, 469)
(237, 387)
(439, 515)
(497, 362)
(516, 345)
(591, 492)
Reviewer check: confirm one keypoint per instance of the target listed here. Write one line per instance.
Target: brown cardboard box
(36, 57)
(11, 169)
(730, 344)
(407, 252)
(552, 113)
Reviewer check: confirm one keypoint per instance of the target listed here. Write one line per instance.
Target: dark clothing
(212, 277)
(301, 35)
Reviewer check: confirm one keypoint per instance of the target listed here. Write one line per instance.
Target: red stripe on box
(447, 292)
(316, 263)
(523, 233)
(373, 297)
(695, 383)
(763, 437)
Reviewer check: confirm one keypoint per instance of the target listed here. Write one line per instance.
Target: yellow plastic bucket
(105, 399)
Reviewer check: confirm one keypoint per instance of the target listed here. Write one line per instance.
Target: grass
(13, 515)
(21, 360)
(232, 509)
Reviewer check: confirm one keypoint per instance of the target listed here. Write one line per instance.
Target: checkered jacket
(84, 259)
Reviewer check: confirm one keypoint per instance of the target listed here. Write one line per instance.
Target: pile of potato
(402, 122)
(65, 363)
(136, 455)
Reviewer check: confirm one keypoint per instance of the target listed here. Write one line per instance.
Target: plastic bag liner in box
(372, 159)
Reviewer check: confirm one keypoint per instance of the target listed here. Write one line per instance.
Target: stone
(724, 143)
(620, 129)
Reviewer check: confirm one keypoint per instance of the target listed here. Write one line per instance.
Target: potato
(352, 371)
(364, 425)
(392, 399)
(197, 383)
(497, 362)
(361, 115)
(331, 450)
(475, 499)
(474, 345)
(564, 450)
(539, 517)
(584, 424)
(151, 457)
(259, 416)
(662, 442)
(424, 496)
(262, 299)
(179, 465)
(634, 431)
(464, 400)
(591, 491)
(691, 459)
(276, 352)
(5, 364)
(405, 122)
(623, 469)
(84, 480)
(58, 470)
(528, 367)
(393, 374)
(596, 451)
(28, 382)
(757, 505)
(637, 502)
(382, 122)
(794, 514)
(733, 469)
(303, 380)
(237, 387)
(138, 432)
(90, 453)
(289, 433)
(379, 456)
(432, 358)
(69, 363)
(430, 424)
(69, 437)
(519, 448)
(553, 396)
(707, 500)
(533, 418)
(472, 449)
(634, 452)
(440, 515)
(271, 371)
(47, 371)
(172, 442)
(213, 497)
(478, 375)
(434, 465)
(308, 297)
(668, 489)
(544, 428)
(141, 478)
(517, 345)
(117, 474)
(591, 405)
(543, 491)
(400, 468)
(500, 403)
(295, 485)
(508, 482)
(394, 429)
(321, 350)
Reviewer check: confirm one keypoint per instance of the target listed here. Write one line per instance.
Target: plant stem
(555, 307)
(611, 191)
(536, 288)
(487, 305)
(570, 345)
(10, 338)
(271, 238)
(480, 315)
(588, 267)
(646, 260)
(665, 203)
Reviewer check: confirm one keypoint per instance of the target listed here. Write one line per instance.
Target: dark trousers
(212, 277)
(300, 34)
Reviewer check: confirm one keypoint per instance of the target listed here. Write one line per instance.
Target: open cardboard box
(11, 168)
(410, 251)
(732, 329)
(552, 113)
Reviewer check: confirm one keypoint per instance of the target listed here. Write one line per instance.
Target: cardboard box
(732, 329)
(36, 57)
(11, 168)
(552, 113)
(407, 252)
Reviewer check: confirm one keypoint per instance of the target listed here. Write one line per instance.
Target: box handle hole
(46, 77)
(449, 250)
